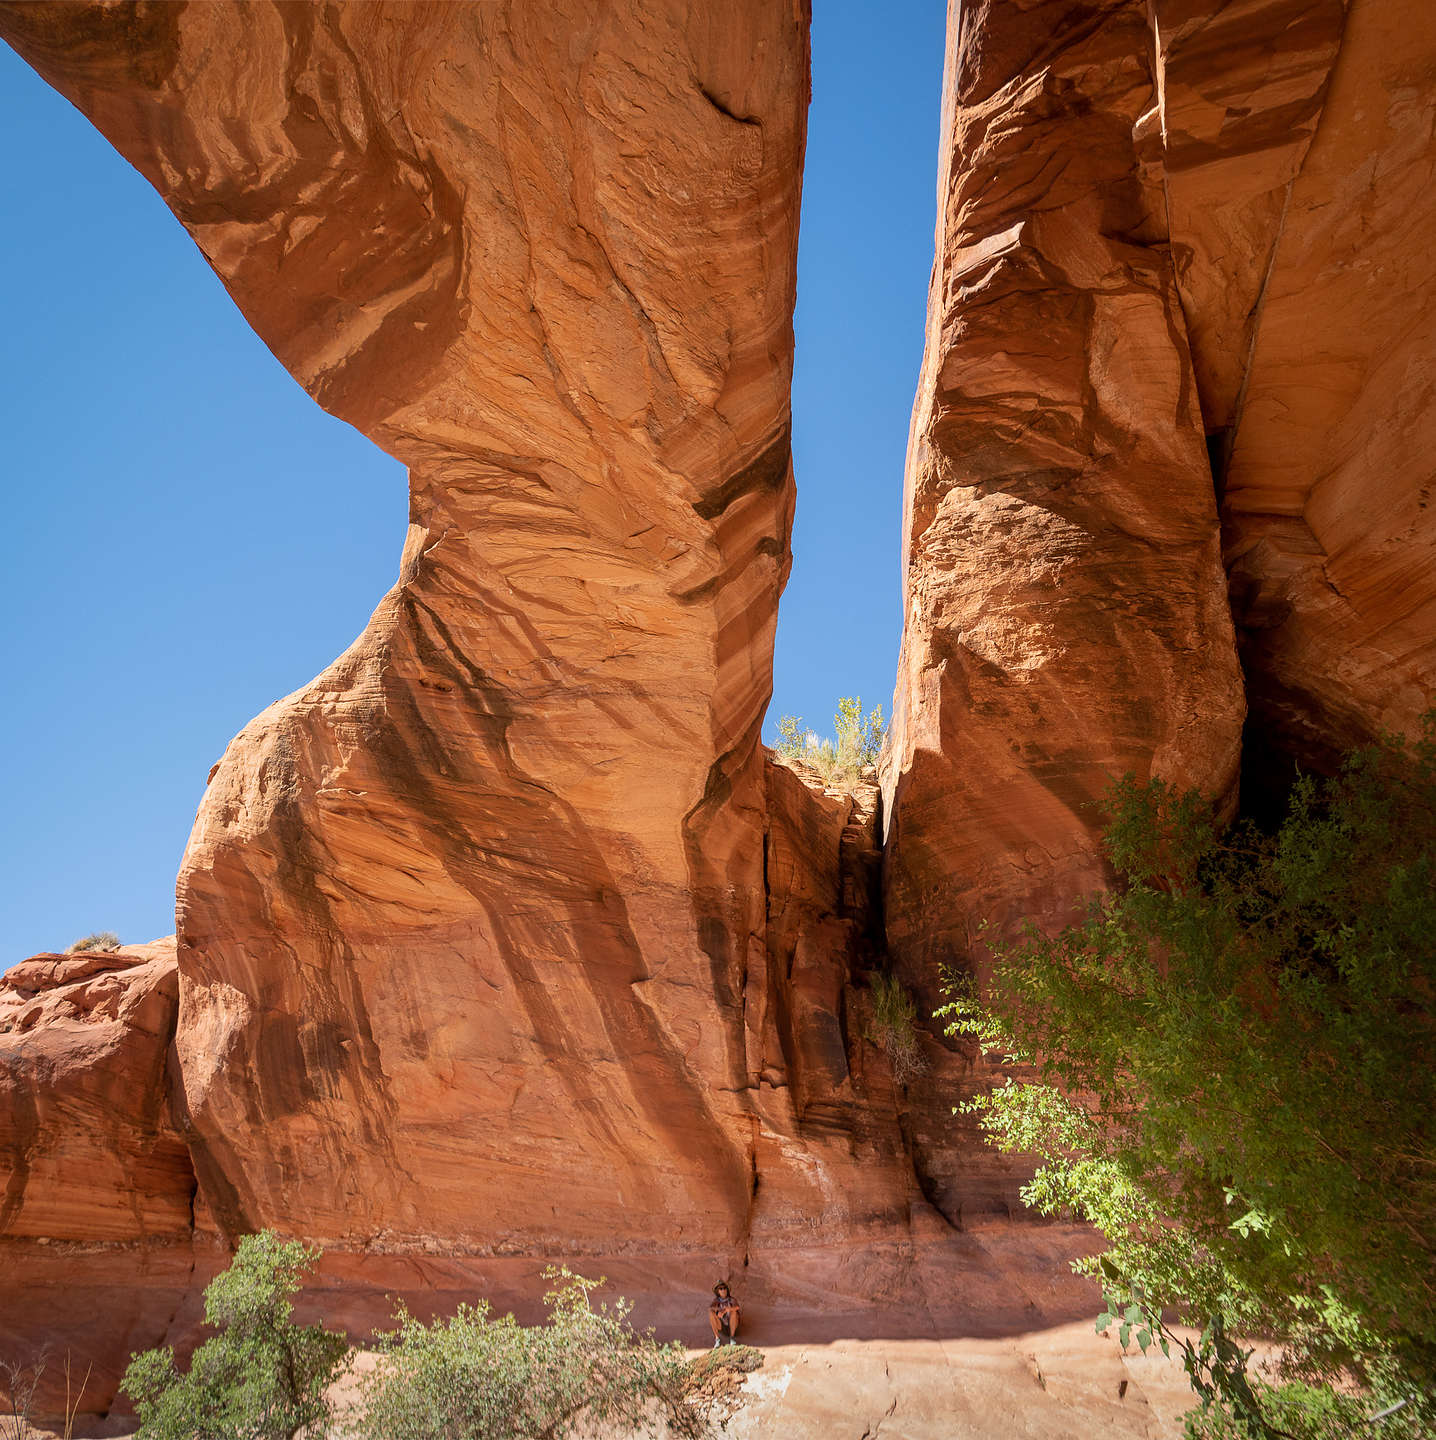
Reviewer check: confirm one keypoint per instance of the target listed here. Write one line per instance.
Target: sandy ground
(1064, 1383)
(1061, 1383)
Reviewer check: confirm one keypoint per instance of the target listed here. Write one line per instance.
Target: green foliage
(893, 1027)
(1233, 1081)
(477, 1377)
(840, 762)
(100, 940)
(261, 1377)
(741, 1359)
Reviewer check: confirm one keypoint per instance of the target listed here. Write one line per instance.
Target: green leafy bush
(478, 1377)
(100, 940)
(840, 762)
(1233, 1056)
(262, 1377)
(893, 1027)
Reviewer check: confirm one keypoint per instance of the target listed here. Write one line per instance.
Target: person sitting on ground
(723, 1315)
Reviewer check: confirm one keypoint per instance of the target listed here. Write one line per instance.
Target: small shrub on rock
(100, 940)
(893, 1027)
(839, 762)
(478, 1377)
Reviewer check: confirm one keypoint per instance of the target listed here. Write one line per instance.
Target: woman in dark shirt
(723, 1315)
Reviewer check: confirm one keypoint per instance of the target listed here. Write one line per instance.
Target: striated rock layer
(465, 924)
(1180, 265)
(1066, 614)
(1329, 413)
(502, 940)
(96, 1215)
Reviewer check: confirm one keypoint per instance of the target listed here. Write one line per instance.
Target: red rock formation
(95, 1220)
(1066, 612)
(1331, 430)
(1156, 223)
(500, 939)
(89, 1146)
(464, 924)
(823, 1089)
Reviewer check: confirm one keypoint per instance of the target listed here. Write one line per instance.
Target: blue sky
(187, 536)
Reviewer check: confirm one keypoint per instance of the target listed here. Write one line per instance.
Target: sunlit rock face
(1066, 612)
(1316, 200)
(465, 925)
(1159, 226)
(96, 1185)
(91, 1149)
(502, 939)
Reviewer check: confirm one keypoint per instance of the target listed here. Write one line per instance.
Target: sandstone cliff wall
(1180, 314)
(464, 925)
(502, 939)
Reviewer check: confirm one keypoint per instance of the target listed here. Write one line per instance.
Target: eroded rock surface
(502, 940)
(95, 1219)
(1328, 466)
(1066, 612)
(89, 1146)
(465, 924)
(1158, 226)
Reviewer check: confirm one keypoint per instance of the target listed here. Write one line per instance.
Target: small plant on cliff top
(1233, 1057)
(893, 1027)
(477, 1377)
(262, 1377)
(840, 762)
(100, 940)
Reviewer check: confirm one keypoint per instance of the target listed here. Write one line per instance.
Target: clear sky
(187, 536)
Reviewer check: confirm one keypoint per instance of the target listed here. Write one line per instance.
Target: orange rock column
(1066, 612)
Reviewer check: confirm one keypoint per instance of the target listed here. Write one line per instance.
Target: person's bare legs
(713, 1323)
(733, 1315)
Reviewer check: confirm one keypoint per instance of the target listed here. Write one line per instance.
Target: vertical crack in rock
(1065, 605)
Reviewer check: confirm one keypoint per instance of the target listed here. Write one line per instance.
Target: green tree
(841, 761)
(477, 1377)
(1232, 1079)
(261, 1377)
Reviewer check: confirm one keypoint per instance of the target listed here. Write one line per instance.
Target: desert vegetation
(98, 940)
(839, 761)
(1233, 1082)
(477, 1375)
(892, 1027)
(470, 1376)
(20, 1384)
(261, 1377)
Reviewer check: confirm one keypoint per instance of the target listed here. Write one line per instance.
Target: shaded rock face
(465, 924)
(1328, 441)
(823, 1088)
(1180, 313)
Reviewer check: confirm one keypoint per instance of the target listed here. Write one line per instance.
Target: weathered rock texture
(501, 940)
(1066, 613)
(95, 1217)
(1159, 225)
(88, 1142)
(464, 925)
(1329, 409)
